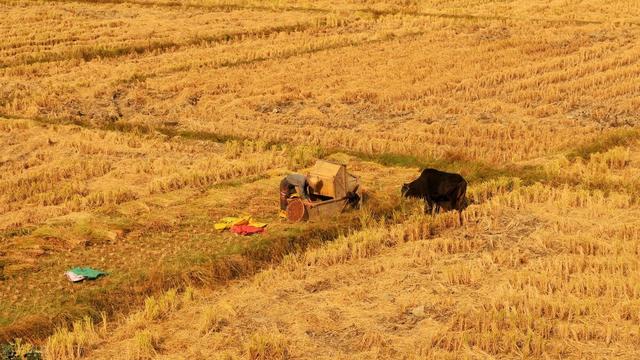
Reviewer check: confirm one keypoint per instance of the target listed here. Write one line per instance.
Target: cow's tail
(460, 199)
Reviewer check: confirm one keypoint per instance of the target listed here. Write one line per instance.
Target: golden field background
(128, 128)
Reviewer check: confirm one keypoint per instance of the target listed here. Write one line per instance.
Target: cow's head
(408, 190)
(466, 202)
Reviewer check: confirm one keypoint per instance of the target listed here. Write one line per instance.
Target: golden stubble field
(128, 128)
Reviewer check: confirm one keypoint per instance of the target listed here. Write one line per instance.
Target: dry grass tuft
(144, 345)
(73, 343)
(157, 307)
(215, 318)
(268, 344)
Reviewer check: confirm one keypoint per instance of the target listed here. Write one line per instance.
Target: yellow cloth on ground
(229, 221)
(257, 224)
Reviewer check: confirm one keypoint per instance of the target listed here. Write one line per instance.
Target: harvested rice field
(129, 128)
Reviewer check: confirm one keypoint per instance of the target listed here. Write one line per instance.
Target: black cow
(439, 188)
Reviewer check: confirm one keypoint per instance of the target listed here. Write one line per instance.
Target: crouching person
(295, 184)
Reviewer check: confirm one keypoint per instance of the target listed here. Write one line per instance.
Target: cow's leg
(459, 201)
(428, 205)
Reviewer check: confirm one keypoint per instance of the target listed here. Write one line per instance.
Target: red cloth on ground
(246, 229)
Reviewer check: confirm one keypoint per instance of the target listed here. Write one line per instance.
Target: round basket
(296, 211)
